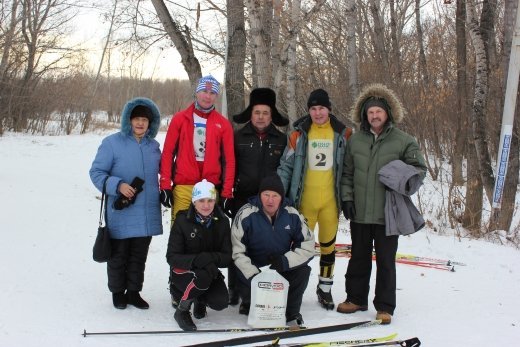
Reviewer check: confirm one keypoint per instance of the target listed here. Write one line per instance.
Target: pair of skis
(282, 333)
(344, 250)
(368, 342)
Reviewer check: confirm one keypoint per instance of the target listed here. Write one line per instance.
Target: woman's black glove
(166, 198)
(212, 269)
(201, 260)
(349, 210)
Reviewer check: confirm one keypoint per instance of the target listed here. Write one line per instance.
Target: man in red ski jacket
(198, 145)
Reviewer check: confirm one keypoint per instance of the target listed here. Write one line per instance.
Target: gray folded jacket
(402, 181)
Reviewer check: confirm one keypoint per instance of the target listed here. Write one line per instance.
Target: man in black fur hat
(258, 148)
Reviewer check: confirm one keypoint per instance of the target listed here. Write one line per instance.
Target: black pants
(298, 279)
(125, 268)
(238, 202)
(357, 279)
(198, 285)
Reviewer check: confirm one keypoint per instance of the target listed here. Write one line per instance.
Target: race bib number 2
(320, 154)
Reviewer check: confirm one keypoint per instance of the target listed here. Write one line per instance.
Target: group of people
(252, 198)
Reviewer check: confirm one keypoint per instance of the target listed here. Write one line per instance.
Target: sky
(90, 30)
(53, 290)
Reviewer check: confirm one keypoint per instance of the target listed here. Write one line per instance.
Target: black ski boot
(244, 308)
(325, 299)
(183, 316)
(119, 300)
(199, 309)
(233, 297)
(135, 299)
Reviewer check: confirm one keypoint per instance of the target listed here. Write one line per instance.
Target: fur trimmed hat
(262, 96)
(319, 97)
(137, 103)
(272, 182)
(371, 95)
(203, 190)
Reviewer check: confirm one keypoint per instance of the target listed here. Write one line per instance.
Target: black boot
(244, 308)
(135, 299)
(233, 297)
(183, 316)
(199, 309)
(119, 300)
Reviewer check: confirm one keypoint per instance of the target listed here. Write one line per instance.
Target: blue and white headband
(208, 83)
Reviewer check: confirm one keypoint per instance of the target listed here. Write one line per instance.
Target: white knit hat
(203, 190)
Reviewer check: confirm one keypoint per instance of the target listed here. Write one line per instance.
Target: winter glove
(349, 210)
(201, 260)
(166, 198)
(212, 269)
(251, 278)
(276, 262)
(227, 207)
(122, 201)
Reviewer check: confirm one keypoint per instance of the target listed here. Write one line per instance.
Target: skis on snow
(247, 340)
(223, 330)
(412, 342)
(343, 250)
(357, 342)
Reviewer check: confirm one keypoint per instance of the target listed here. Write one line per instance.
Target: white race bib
(199, 137)
(320, 154)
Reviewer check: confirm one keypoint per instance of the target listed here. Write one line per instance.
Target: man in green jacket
(377, 143)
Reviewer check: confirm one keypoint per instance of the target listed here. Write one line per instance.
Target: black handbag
(102, 247)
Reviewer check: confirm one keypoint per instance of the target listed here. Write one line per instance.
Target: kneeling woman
(199, 243)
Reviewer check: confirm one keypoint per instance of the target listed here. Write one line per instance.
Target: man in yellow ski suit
(311, 169)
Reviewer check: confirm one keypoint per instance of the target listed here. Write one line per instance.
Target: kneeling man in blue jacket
(269, 231)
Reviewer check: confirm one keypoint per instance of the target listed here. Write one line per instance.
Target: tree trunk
(261, 28)
(379, 39)
(501, 220)
(473, 209)
(462, 96)
(88, 113)
(4, 62)
(420, 42)
(480, 101)
(236, 55)
(352, 58)
(182, 43)
(291, 62)
(395, 43)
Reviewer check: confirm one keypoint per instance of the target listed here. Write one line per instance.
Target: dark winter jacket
(366, 155)
(121, 158)
(188, 238)
(254, 238)
(293, 165)
(255, 159)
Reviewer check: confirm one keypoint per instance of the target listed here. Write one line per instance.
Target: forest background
(447, 60)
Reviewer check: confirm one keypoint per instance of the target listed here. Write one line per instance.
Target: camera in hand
(122, 201)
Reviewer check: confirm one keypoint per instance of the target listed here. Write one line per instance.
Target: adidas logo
(287, 227)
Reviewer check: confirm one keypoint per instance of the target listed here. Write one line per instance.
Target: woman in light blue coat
(124, 160)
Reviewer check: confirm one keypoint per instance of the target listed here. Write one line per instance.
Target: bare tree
(478, 112)
(236, 54)
(181, 40)
(352, 57)
(260, 18)
(501, 220)
(88, 112)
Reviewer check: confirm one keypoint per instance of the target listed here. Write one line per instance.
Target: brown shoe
(349, 307)
(384, 317)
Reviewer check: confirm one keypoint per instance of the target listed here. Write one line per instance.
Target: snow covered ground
(52, 290)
